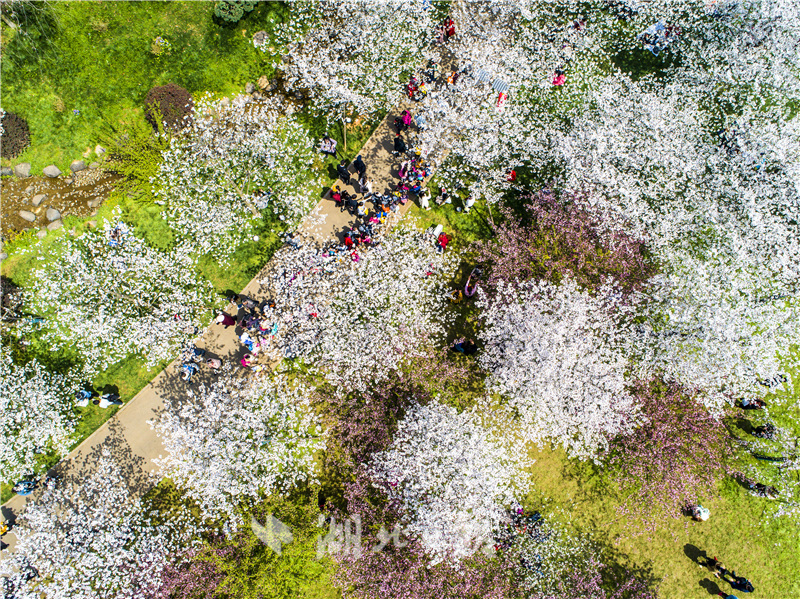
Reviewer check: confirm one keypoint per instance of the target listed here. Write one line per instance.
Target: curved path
(132, 442)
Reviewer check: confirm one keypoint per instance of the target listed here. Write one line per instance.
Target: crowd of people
(259, 324)
(413, 171)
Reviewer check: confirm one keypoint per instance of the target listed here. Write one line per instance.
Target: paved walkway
(128, 436)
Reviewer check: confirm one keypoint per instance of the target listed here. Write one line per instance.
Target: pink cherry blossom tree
(674, 458)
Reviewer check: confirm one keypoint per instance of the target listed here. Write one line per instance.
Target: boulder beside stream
(23, 170)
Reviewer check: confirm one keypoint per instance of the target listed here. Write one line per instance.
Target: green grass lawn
(75, 70)
(764, 549)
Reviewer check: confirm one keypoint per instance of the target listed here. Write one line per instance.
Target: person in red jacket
(450, 28)
(443, 240)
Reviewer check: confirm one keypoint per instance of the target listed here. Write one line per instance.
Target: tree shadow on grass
(621, 572)
(745, 425)
(594, 482)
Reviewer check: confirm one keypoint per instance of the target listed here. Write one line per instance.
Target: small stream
(88, 189)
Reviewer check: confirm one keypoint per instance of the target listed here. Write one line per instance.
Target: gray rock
(99, 150)
(27, 215)
(94, 203)
(6, 171)
(38, 199)
(3, 256)
(92, 223)
(23, 170)
(41, 233)
(249, 88)
(94, 165)
(52, 214)
(258, 96)
(69, 180)
(51, 171)
(77, 165)
(30, 188)
(56, 224)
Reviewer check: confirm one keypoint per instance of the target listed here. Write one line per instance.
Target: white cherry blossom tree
(555, 354)
(107, 295)
(36, 412)
(356, 55)
(237, 162)
(358, 316)
(717, 329)
(454, 479)
(239, 439)
(93, 540)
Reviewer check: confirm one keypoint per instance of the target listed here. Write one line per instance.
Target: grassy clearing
(78, 69)
(463, 228)
(738, 533)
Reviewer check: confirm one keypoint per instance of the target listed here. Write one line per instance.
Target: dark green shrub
(233, 10)
(174, 104)
(16, 135)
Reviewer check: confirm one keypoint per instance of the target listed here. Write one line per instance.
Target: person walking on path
(366, 186)
(399, 145)
(225, 319)
(406, 119)
(344, 174)
(360, 167)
